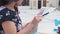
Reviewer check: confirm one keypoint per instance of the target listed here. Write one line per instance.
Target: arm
(29, 26)
(10, 28)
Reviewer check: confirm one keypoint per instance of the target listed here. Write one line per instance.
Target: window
(25, 3)
(59, 2)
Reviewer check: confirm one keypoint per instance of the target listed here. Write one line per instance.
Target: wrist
(33, 23)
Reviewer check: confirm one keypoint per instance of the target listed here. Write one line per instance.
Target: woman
(10, 23)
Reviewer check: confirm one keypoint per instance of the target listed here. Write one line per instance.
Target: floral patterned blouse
(9, 15)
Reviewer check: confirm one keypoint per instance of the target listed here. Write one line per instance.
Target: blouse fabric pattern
(9, 15)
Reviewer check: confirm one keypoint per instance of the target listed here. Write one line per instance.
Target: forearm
(29, 27)
(26, 29)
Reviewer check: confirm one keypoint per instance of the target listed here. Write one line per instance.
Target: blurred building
(37, 4)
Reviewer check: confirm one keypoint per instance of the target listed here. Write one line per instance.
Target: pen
(45, 14)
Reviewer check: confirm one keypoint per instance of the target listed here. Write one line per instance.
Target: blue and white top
(9, 15)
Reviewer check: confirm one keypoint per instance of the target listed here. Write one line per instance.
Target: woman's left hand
(37, 19)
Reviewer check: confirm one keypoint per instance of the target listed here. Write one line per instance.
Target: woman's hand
(37, 19)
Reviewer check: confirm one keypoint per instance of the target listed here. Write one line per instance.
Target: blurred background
(37, 4)
(30, 8)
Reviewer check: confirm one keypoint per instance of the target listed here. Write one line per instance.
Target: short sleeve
(6, 16)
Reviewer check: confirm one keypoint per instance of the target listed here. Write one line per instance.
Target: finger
(38, 18)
